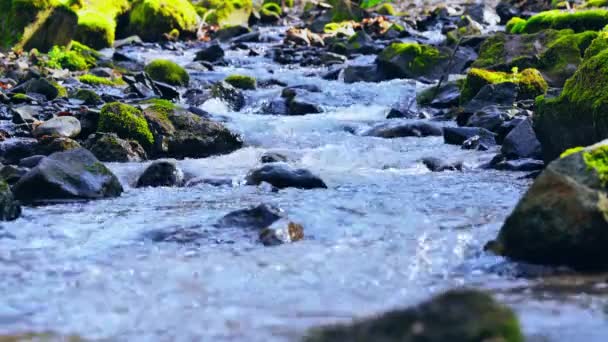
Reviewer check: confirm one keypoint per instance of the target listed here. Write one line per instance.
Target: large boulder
(562, 219)
(457, 315)
(55, 25)
(579, 116)
(151, 19)
(65, 176)
(530, 82)
(181, 134)
(125, 121)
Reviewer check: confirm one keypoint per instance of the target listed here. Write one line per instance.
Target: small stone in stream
(180, 235)
(229, 32)
(212, 53)
(293, 91)
(9, 208)
(257, 217)
(272, 157)
(60, 126)
(161, 173)
(406, 107)
(440, 165)
(11, 174)
(251, 37)
(283, 176)
(460, 315)
(229, 94)
(66, 176)
(166, 91)
(88, 97)
(276, 106)
(404, 129)
(362, 73)
(297, 106)
(521, 142)
(108, 147)
(282, 232)
(25, 114)
(525, 164)
(491, 118)
(458, 135)
(209, 181)
(448, 96)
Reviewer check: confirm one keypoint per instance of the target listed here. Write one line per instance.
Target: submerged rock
(9, 207)
(257, 217)
(440, 165)
(458, 135)
(404, 129)
(161, 173)
(64, 176)
(562, 219)
(282, 232)
(456, 316)
(232, 96)
(283, 176)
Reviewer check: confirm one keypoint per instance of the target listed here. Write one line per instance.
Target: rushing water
(387, 233)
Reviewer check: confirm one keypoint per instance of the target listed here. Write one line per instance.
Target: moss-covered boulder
(412, 60)
(165, 71)
(88, 97)
(65, 176)
(180, 134)
(579, 116)
(151, 19)
(563, 218)
(531, 83)
(37, 24)
(95, 30)
(127, 122)
(557, 54)
(63, 58)
(457, 315)
(227, 12)
(579, 21)
(241, 82)
(108, 147)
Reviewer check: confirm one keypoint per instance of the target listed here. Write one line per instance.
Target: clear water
(387, 233)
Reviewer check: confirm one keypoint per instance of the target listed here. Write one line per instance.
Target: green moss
(596, 3)
(227, 12)
(89, 97)
(344, 28)
(242, 82)
(166, 104)
(167, 72)
(62, 58)
(579, 21)
(272, 7)
(126, 121)
(96, 80)
(599, 44)
(565, 54)
(95, 29)
(98, 168)
(62, 92)
(531, 82)
(597, 159)
(386, 9)
(571, 151)
(515, 25)
(418, 58)
(288, 3)
(150, 19)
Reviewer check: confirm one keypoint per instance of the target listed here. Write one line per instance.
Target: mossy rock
(579, 21)
(599, 44)
(386, 9)
(167, 72)
(345, 10)
(413, 60)
(578, 117)
(100, 81)
(515, 25)
(227, 12)
(151, 19)
(288, 3)
(270, 13)
(95, 30)
(556, 54)
(530, 81)
(62, 58)
(53, 26)
(457, 315)
(89, 97)
(241, 82)
(563, 218)
(127, 122)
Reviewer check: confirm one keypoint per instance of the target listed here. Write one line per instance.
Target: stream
(388, 233)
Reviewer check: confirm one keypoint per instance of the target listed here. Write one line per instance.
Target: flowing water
(387, 233)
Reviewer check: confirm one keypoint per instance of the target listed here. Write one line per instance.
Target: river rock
(272, 157)
(257, 217)
(25, 114)
(521, 142)
(502, 94)
(212, 53)
(404, 129)
(362, 73)
(42, 86)
(491, 118)
(562, 219)
(31, 162)
(108, 147)
(284, 176)
(9, 208)
(281, 232)
(12, 174)
(60, 126)
(440, 165)
(161, 173)
(458, 135)
(232, 96)
(12, 150)
(457, 315)
(71, 175)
